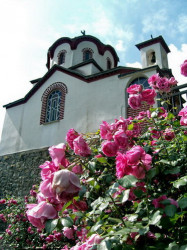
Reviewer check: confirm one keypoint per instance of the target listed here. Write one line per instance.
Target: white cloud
(182, 23)
(175, 59)
(155, 21)
(134, 65)
(120, 46)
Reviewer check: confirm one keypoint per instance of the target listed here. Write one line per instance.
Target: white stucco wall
(160, 55)
(86, 106)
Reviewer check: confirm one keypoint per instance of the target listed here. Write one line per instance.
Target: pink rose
(122, 167)
(134, 155)
(106, 131)
(81, 147)
(109, 148)
(38, 213)
(169, 134)
(94, 239)
(57, 153)
(154, 133)
(156, 202)
(65, 184)
(163, 84)
(148, 96)
(46, 188)
(121, 139)
(184, 68)
(172, 81)
(121, 124)
(134, 101)
(68, 232)
(135, 89)
(48, 168)
(183, 113)
(162, 112)
(71, 136)
(77, 169)
(153, 80)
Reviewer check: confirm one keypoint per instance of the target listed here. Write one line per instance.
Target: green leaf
(102, 160)
(125, 195)
(67, 222)
(66, 205)
(138, 193)
(97, 226)
(183, 203)
(170, 115)
(130, 126)
(184, 137)
(180, 182)
(128, 181)
(50, 225)
(113, 189)
(184, 247)
(175, 170)
(82, 191)
(155, 218)
(173, 246)
(103, 206)
(143, 231)
(170, 210)
(105, 245)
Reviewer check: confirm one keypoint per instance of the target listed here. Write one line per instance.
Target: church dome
(68, 52)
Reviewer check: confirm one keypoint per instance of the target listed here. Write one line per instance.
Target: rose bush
(118, 188)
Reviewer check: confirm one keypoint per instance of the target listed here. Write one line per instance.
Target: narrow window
(53, 106)
(87, 54)
(109, 64)
(61, 57)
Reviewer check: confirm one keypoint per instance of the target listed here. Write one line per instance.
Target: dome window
(87, 54)
(109, 63)
(61, 57)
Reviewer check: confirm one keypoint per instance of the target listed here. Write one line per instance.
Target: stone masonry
(20, 171)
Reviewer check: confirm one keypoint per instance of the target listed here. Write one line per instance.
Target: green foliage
(126, 212)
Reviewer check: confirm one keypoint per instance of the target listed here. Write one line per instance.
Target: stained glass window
(53, 106)
(141, 80)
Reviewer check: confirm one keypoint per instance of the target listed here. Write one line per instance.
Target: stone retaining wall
(19, 171)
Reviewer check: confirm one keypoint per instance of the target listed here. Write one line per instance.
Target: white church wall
(12, 130)
(86, 105)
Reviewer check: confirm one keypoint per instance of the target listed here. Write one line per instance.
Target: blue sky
(29, 27)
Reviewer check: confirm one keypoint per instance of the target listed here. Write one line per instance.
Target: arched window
(151, 57)
(53, 106)
(61, 57)
(141, 80)
(109, 63)
(134, 112)
(87, 54)
(53, 103)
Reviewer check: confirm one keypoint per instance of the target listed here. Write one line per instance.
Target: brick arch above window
(87, 54)
(55, 86)
(61, 56)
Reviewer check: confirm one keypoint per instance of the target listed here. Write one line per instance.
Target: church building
(82, 87)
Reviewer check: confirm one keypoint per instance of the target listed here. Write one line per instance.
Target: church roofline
(74, 42)
(86, 63)
(88, 79)
(158, 39)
